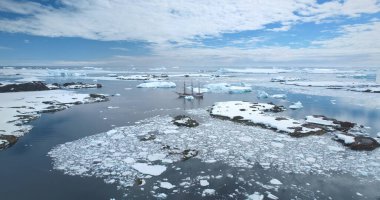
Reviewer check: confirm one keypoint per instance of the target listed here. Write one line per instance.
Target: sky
(242, 33)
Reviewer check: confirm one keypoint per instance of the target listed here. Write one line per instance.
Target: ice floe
(153, 170)
(208, 192)
(255, 196)
(158, 84)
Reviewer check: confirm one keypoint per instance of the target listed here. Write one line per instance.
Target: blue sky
(190, 33)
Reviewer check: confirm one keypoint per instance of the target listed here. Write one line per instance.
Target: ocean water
(27, 172)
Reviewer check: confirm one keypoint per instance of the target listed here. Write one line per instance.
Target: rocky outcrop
(40, 86)
(23, 87)
(183, 120)
(7, 141)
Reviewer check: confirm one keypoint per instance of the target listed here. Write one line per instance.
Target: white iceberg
(278, 96)
(296, 105)
(228, 88)
(262, 94)
(158, 84)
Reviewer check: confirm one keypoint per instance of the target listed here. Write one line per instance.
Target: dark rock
(72, 83)
(150, 136)
(11, 139)
(299, 133)
(139, 181)
(183, 120)
(101, 96)
(363, 143)
(189, 153)
(32, 86)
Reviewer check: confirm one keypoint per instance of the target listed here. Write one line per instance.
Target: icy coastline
(19, 108)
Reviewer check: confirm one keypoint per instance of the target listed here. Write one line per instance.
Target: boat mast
(192, 90)
(184, 87)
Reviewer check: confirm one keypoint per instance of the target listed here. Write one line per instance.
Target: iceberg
(228, 88)
(157, 84)
(296, 105)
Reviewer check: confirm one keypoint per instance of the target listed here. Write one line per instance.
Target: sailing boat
(195, 95)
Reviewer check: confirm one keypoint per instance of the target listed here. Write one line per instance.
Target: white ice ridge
(19, 107)
(113, 155)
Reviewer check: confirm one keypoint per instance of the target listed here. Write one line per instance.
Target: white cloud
(161, 21)
(173, 29)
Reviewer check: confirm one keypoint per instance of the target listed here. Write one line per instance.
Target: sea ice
(275, 182)
(204, 183)
(255, 196)
(208, 192)
(167, 185)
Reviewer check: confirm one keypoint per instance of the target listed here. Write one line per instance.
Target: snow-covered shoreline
(19, 108)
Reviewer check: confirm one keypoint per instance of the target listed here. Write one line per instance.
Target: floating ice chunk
(279, 96)
(255, 196)
(153, 170)
(335, 148)
(157, 156)
(245, 139)
(161, 196)
(275, 182)
(239, 89)
(166, 185)
(189, 98)
(220, 151)
(158, 84)
(277, 144)
(310, 159)
(296, 105)
(378, 134)
(228, 88)
(208, 192)
(204, 183)
(271, 196)
(129, 160)
(262, 94)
